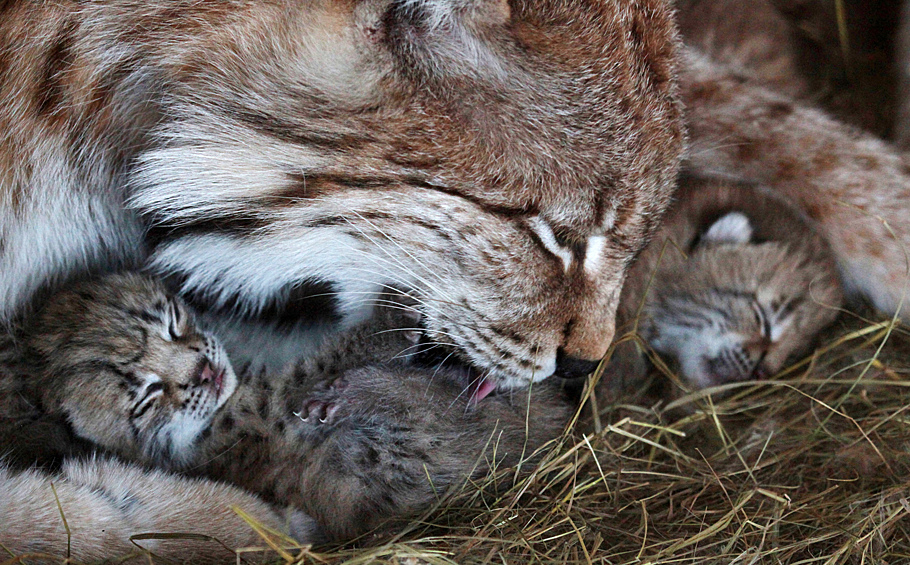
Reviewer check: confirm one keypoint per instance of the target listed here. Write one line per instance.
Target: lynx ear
(446, 37)
(731, 228)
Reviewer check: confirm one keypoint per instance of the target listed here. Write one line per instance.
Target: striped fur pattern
(737, 283)
(353, 436)
(282, 162)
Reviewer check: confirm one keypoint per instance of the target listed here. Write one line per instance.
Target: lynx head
(126, 364)
(743, 285)
(501, 161)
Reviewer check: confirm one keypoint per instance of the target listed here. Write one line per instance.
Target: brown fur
(426, 144)
(105, 502)
(731, 303)
(854, 186)
(110, 345)
(524, 139)
(398, 440)
(754, 39)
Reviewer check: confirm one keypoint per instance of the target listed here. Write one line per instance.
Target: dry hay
(808, 467)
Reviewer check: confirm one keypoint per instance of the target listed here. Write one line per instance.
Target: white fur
(693, 346)
(209, 165)
(259, 268)
(732, 228)
(66, 231)
(594, 253)
(548, 238)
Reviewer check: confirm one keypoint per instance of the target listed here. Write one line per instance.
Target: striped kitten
(353, 436)
(736, 283)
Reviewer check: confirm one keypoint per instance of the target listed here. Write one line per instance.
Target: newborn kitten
(354, 436)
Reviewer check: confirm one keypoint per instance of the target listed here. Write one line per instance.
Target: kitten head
(743, 285)
(127, 365)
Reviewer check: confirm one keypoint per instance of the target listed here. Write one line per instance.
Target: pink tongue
(482, 390)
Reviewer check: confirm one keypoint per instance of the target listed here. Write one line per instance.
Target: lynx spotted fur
(282, 162)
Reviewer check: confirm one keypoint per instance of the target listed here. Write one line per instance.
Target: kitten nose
(568, 367)
(207, 374)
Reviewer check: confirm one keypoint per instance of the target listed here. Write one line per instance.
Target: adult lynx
(282, 162)
(501, 161)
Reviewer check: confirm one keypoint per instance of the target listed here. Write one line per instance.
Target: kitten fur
(354, 436)
(746, 126)
(121, 338)
(736, 283)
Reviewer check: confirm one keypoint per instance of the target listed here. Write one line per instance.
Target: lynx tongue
(481, 388)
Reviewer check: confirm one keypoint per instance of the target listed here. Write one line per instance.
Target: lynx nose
(568, 367)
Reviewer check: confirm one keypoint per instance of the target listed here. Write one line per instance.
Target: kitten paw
(324, 406)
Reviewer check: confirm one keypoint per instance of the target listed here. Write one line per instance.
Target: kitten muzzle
(208, 375)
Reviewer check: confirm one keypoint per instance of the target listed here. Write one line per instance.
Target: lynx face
(478, 155)
(744, 285)
(499, 160)
(741, 326)
(127, 365)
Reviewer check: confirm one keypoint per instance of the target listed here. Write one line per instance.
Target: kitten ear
(731, 228)
(446, 37)
(173, 318)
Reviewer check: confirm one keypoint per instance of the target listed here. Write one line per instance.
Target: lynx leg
(853, 185)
